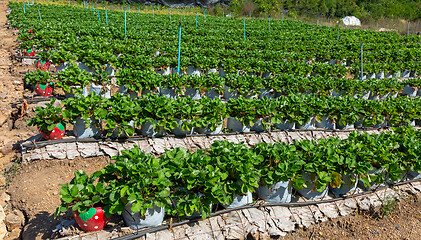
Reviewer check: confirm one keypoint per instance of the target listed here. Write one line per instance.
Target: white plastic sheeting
(351, 21)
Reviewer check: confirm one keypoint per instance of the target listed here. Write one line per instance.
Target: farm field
(97, 76)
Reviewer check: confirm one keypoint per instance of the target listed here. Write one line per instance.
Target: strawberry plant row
(75, 33)
(157, 115)
(73, 79)
(185, 184)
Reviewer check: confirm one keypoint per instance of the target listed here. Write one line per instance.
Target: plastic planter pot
(237, 125)
(85, 67)
(44, 90)
(55, 134)
(279, 192)
(81, 131)
(336, 93)
(363, 95)
(373, 185)
(94, 219)
(147, 91)
(193, 71)
(349, 185)
(227, 94)
(212, 70)
(375, 96)
(380, 75)
(212, 94)
(310, 125)
(266, 74)
(148, 130)
(410, 91)
(72, 95)
(29, 52)
(153, 217)
(206, 130)
(193, 93)
(258, 126)
(221, 72)
(240, 200)
(97, 89)
(110, 70)
(326, 123)
(62, 67)
(285, 125)
(126, 91)
(406, 74)
(164, 71)
(344, 127)
(179, 132)
(42, 65)
(115, 131)
(310, 192)
(414, 175)
(168, 92)
(269, 93)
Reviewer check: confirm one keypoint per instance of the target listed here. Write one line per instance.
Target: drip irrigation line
(139, 234)
(30, 57)
(44, 143)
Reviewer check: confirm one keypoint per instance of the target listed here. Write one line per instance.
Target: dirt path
(11, 89)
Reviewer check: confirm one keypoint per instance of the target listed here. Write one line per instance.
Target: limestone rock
(15, 220)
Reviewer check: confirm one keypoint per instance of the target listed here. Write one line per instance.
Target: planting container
(373, 185)
(94, 219)
(115, 131)
(72, 95)
(240, 200)
(349, 185)
(179, 132)
(97, 89)
(310, 191)
(325, 124)
(279, 192)
(148, 130)
(126, 91)
(308, 125)
(193, 93)
(168, 92)
(56, 133)
(410, 91)
(236, 125)
(269, 93)
(258, 126)
(285, 125)
(81, 131)
(212, 94)
(153, 217)
(206, 130)
(42, 65)
(44, 90)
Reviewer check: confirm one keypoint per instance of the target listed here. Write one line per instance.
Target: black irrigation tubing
(50, 142)
(139, 234)
(30, 57)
